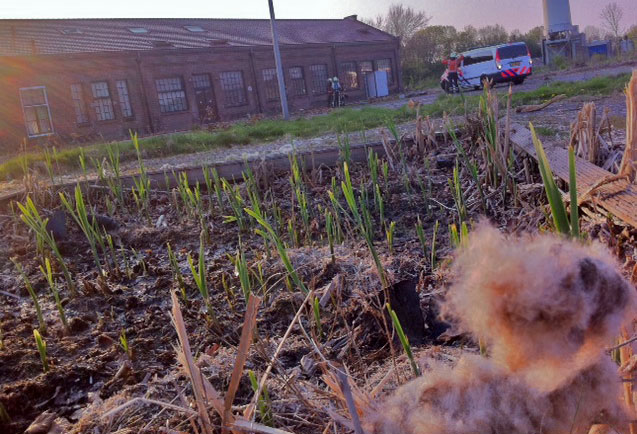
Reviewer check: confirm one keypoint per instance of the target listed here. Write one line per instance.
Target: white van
(499, 63)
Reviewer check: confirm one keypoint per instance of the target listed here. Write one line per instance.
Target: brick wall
(142, 69)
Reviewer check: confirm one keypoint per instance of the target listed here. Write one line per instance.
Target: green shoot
(177, 272)
(433, 246)
(317, 316)
(470, 165)
(80, 215)
(276, 240)
(331, 233)
(123, 341)
(82, 158)
(41, 349)
(296, 181)
(458, 197)
(115, 182)
(403, 340)
(32, 218)
(553, 194)
(236, 203)
(32, 293)
(363, 224)
(199, 272)
(48, 274)
(345, 150)
(459, 239)
(421, 236)
(48, 160)
(141, 190)
(265, 405)
(390, 237)
(241, 269)
(218, 188)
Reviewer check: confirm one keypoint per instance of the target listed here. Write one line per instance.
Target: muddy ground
(90, 373)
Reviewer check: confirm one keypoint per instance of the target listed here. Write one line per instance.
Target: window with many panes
(37, 116)
(297, 81)
(102, 102)
(77, 95)
(171, 94)
(347, 75)
(234, 92)
(201, 81)
(385, 65)
(124, 98)
(318, 79)
(270, 84)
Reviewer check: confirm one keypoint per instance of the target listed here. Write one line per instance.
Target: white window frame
(48, 108)
(123, 96)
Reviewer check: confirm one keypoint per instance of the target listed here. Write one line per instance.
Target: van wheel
(518, 81)
(484, 78)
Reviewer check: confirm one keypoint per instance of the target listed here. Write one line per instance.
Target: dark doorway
(205, 98)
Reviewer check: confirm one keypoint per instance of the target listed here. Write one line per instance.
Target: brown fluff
(478, 396)
(547, 308)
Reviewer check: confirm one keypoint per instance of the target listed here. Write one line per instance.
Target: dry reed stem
(584, 135)
(538, 107)
(625, 354)
(391, 156)
(247, 330)
(349, 400)
(149, 401)
(248, 426)
(628, 167)
(196, 378)
(507, 127)
(362, 401)
(629, 160)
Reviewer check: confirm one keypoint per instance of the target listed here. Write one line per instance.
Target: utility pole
(279, 65)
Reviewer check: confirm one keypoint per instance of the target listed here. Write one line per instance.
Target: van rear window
(470, 60)
(511, 51)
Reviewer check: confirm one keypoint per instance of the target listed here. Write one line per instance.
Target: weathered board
(619, 197)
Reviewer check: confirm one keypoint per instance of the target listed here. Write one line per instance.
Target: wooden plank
(619, 197)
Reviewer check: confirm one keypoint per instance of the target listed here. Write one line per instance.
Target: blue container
(601, 48)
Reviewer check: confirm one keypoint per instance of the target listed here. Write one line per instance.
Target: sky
(512, 14)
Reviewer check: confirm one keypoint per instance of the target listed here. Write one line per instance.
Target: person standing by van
(453, 66)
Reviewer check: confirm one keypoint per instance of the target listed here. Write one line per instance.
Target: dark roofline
(106, 34)
(179, 19)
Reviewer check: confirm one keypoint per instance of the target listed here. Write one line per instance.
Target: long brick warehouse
(82, 80)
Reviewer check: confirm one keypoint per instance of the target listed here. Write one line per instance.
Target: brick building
(89, 78)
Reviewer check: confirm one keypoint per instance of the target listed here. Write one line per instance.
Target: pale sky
(512, 14)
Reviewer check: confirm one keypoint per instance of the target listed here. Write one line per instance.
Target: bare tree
(592, 33)
(401, 21)
(611, 16)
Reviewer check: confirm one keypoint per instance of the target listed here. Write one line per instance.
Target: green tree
(492, 35)
(431, 44)
(533, 39)
(467, 38)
